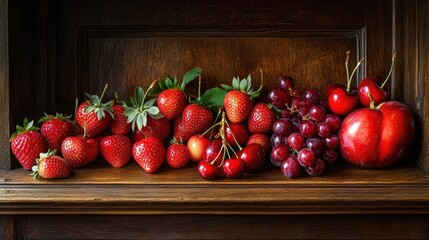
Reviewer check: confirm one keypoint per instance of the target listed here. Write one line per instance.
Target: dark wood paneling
(7, 227)
(225, 227)
(4, 86)
(311, 13)
(127, 62)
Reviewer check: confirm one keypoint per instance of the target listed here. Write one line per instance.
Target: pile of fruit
(224, 129)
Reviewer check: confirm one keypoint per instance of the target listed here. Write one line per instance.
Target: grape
(308, 129)
(279, 154)
(285, 113)
(332, 141)
(279, 98)
(296, 121)
(315, 144)
(283, 127)
(317, 168)
(333, 121)
(323, 130)
(286, 82)
(317, 113)
(306, 157)
(330, 155)
(304, 106)
(276, 140)
(295, 141)
(312, 94)
(290, 167)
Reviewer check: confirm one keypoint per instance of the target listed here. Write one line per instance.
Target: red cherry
(233, 168)
(207, 170)
(236, 133)
(342, 102)
(371, 85)
(214, 152)
(253, 156)
(196, 146)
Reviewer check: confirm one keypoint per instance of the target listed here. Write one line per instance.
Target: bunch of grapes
(305, 135)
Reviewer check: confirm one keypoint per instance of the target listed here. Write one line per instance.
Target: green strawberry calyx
(26, 127)
(59, 116)
(245, 85)
(139, 108)
(97, 106)
(42, 156)
(168, 83)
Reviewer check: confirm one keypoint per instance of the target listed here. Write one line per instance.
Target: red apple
(196, 145)
(377, 137)
(253, 156)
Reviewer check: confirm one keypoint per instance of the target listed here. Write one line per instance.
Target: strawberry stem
(199, 86)
(390, 71)
(152, 85)
(102, 94)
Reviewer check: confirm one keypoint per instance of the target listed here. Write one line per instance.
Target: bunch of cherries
(305, 135)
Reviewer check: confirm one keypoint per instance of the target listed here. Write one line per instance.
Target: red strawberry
(261, 119)
(27, 144)
(55, 129)
(178, 155)
(238, 100)
(171, 103)
(159, 128)
(172, 100)
(119, 124)
(116, 149)
(261, 139)
(195, 119)
(149, 153)
(79, 151)
(50, 166)
(91, 115)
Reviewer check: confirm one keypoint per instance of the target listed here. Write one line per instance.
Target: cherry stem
(353, 73)
(371, 103)
(390, 71)
(347, 69)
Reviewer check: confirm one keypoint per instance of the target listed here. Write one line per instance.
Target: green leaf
(139, 122)
(235, 83)
(95, 99)
(243, 85)
(152, 110)
(226, 87)
(131, 113)
(190, 75)
(150, 102)
(89, 109)
(213, 97)
(138, 95)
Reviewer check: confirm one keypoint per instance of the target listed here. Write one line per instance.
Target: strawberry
(119, 124)
(195, 119)
(50, 166)
(27, 144)
(79, 151)
(155, 127)
(55, 129)
(149, 153)
(261, 139)
(178, 155)
(91, 114)
(116, 149)
(172, 100)
(238, 100)
(261, 119)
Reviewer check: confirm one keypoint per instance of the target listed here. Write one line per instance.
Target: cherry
(290, 167)
(279, 154)
(283, 127)
(233, 168)
(317, 168)
(375, 87)
(196, 146)
(279, 98)
(236, 133)
(286, 82)
(253, 156)
(207, 170)
(214, 152)
(306, 157)
(295, 141)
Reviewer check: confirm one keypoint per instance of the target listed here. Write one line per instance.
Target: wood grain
(5, 162)
(226, 227)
